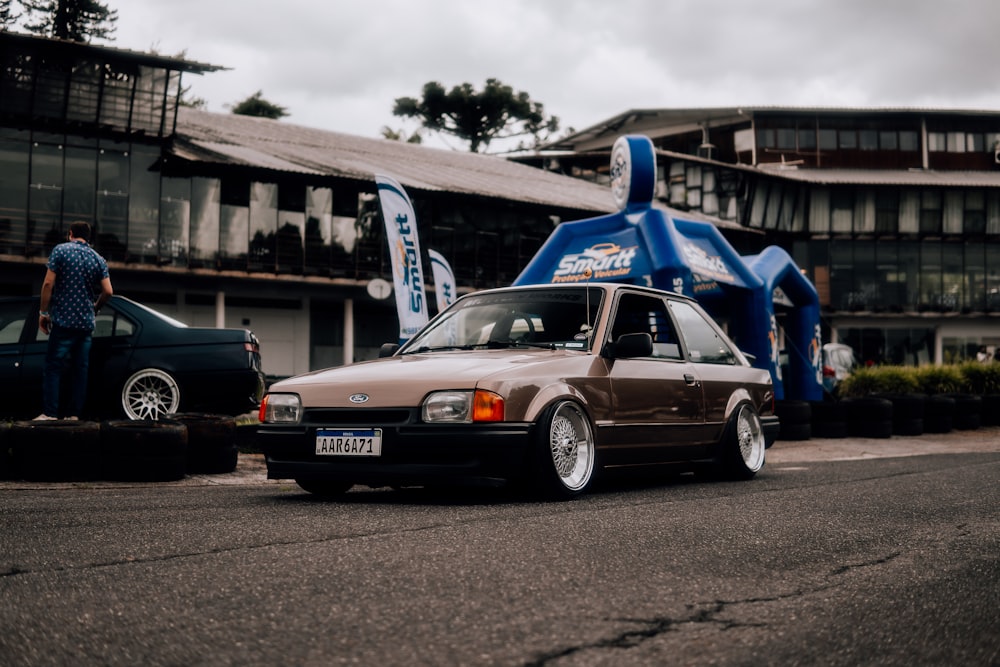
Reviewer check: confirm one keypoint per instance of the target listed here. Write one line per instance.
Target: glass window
(974, 217)
(638, 313)
(319, 229)
(144, 204)
(887, 141)
(828, 140)
(263, 225)
(975, 142)
(868, 140)
(175, 220)
(45, 208)
(786, 138)
(993, 277)
(890, 277)
(847, 139)
(930, 212)
(910, 269)
(807, 138)
(842, 211)
(936, 142)
(975, 271)
(79, 192)
(930, 297)
(234, 223)
(956, 142)
(765, 138)
(886, 211)
(290, 242)
(205, 210)
(952, 277)
(14, 161)
(703, 342)
(111, 230)
(841, 274)
(908, 141)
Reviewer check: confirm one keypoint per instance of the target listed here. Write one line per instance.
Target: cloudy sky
(340, 64)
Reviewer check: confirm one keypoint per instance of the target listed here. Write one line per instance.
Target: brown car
(546, 385)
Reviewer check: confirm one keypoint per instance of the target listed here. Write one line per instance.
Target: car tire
(324, 489)
(150, 394)
(869, 417)
(211, 447)
(743, 447)
(990, 410)
(967, 415)
(795, 419)
(56, 451)
(565, 455)
(939, 414)
(143, 451)
(829, 419)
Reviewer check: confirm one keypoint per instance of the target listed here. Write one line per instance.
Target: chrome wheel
(750, 439)
(150, 394)
(571, 447)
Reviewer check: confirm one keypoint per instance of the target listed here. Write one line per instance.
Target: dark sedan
(143, 364)
(548, 384)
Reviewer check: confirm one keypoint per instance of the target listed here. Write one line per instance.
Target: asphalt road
(878, 552)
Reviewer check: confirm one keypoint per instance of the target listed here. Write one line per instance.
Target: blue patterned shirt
(79, 271)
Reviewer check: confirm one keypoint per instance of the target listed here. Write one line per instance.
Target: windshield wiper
(498, 344)
(438, 348)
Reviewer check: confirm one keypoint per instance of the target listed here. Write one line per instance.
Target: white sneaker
(44, 417)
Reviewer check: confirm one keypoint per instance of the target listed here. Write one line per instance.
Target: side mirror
(387, 349)
(633, 345)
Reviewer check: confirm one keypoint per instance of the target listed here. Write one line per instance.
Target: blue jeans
(68, 355)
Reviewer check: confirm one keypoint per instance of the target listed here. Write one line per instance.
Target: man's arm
(106, 292)
(44, 322)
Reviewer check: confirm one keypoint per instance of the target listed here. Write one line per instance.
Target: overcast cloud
(340, 64)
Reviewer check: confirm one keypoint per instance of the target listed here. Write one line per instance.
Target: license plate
(354, 442)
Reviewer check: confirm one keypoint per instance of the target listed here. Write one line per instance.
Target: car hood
(405, 380)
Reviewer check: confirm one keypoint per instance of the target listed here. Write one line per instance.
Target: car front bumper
(414, 454)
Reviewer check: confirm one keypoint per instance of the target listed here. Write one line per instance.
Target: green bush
(879, 380)
(980, 378)
(940, 380)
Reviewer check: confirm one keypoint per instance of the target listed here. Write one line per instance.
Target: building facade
(225, 220)
(893, 213)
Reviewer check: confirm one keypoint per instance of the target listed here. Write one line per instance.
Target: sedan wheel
(565, 452)
(150, 394)
(743, 454)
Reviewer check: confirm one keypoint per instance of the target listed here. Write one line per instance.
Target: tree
(7, 16)
(256, 105)
(478, 117)
(75, 20)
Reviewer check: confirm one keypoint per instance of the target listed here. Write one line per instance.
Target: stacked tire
(907, 413)
(795, 418)
(211, 445)
(56, 451)
(968, 409)
(869, 417)
(143, 451)
(939, 414)
(990, 410)
(829, 419)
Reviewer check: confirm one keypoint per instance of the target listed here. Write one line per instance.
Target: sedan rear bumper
(486, 454)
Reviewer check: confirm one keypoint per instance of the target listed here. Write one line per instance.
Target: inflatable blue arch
(643, 245)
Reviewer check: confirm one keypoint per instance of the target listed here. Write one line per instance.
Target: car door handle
(691, 380)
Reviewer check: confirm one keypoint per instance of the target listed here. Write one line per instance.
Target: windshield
(556, 318)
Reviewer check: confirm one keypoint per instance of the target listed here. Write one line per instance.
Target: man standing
(66, 313)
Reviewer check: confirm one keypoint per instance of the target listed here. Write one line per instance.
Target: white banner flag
(404, 250)
(444, 280)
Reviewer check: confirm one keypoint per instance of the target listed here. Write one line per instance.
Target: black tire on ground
(56, 451)
(939, 411)
(793, 412)
(563, 454)
(7, 470)
(829, 419)
(743, 451)
(990, 411)
(968, 408)
(869, 417)
(907, 413)
(211, 448)
(324, 489)
(143, 451)
(795, 431)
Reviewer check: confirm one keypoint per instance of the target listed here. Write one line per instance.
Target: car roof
(607, 287)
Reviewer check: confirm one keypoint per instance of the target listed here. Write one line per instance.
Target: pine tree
(75, 20)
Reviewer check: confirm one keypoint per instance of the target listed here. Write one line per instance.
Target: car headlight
(281, 409)
(462, 407)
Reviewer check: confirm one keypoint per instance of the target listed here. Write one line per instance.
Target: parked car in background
(838, 362)
(143, 364)
(548, 385)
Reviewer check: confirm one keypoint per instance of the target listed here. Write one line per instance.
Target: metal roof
(900, 177)
(269, 144)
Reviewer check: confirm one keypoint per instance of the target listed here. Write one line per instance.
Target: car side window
(12, 318)
(639, 313)
(703, 342)
(111, 324)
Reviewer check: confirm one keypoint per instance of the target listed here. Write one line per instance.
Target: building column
(348, 332)
(220, 310)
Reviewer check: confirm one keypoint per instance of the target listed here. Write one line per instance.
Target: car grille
(360, 417)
